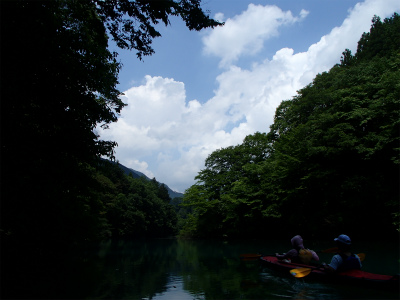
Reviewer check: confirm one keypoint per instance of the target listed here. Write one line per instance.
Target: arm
(334, 264)
(314, 255)
(289, 254)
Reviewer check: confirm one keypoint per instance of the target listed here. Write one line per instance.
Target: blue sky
(207, 90)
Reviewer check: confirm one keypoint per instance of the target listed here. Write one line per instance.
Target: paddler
(343, 260)
(298, 254)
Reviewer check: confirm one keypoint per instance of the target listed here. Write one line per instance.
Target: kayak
(350, 276)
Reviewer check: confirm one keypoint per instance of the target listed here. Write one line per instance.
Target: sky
(207, 90)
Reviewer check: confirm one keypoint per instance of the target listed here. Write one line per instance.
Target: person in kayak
(344, 260)
(298, 254)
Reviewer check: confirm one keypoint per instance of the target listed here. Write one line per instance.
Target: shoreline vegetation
(328, 165)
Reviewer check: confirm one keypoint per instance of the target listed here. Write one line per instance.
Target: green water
(188, 269)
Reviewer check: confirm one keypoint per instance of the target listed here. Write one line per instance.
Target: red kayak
(351, 276)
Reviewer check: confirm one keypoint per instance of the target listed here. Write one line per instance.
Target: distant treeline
(136, 174)
(133, 207)
(328, 165)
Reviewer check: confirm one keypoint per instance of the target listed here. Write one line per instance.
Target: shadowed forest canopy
(328, 165)
(58, 83)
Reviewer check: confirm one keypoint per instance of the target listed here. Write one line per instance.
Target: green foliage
(329, 162)
(382, 40)
(131, 23)
(229, 191)
(134, 207)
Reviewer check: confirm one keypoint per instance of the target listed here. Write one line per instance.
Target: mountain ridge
(136, 174)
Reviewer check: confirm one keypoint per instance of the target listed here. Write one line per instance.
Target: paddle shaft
(256, 256)
(330, 250)
(250, 256)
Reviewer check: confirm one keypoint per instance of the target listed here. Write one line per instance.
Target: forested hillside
(133, 207)
(136, 174)
(328, 165)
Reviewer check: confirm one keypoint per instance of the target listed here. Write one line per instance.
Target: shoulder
(356, 256)
(358, 259)
(314, 255)
(336, 261)
(337, 257)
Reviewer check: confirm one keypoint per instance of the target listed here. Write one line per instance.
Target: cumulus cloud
(163, 131)
(245, 34)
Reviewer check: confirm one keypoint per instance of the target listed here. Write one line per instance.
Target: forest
(58, 84)
(329, 163)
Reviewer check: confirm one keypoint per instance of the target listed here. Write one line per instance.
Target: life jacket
(349, 263)
(305, 256)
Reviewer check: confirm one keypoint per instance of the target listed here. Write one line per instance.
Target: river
(201, 269)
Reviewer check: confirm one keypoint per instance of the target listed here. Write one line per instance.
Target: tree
(228, 198)
(57, 50)
(120, 18)
(337, 140)
(133, 207)
(58, 83)
(346, 58)
(381, 40)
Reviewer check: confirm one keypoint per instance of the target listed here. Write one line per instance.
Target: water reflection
(186, 269)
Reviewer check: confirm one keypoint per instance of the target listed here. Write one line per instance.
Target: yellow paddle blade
(300, 272)
(361, 256)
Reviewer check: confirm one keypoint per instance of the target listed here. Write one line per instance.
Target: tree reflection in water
(188, 269)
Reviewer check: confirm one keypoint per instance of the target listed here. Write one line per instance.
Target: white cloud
(140, 166)
(245, 33)
(162, 131)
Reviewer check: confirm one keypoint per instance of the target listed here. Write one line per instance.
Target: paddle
(256, 256)
(330, 250)
(250, 256)
(361, 256)
(302, 272)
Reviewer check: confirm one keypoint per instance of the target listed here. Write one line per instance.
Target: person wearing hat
(298, 254)
(344, 260)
